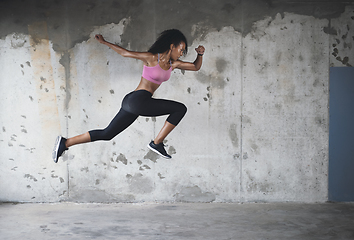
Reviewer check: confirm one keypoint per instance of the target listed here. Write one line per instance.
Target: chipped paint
(121, 158)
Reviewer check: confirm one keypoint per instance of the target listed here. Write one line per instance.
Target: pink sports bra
(156, 74)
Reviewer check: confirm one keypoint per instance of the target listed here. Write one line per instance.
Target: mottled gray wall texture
(257, 123)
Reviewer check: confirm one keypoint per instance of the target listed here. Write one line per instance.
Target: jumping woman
(162, 57)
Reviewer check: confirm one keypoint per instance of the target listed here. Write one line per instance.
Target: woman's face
(178, 51)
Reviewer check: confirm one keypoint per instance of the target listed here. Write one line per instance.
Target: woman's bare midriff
(147, 85)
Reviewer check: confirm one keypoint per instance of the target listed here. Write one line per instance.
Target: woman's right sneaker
(159, 149)
(59, 148)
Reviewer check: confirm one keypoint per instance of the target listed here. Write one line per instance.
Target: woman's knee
(101, 135)
(181, 111)
(183, 108)
(108, 137)
(177, 116)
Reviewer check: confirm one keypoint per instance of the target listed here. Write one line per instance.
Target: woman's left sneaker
(159, 149)
(59, 148)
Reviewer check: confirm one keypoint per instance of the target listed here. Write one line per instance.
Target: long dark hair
(166, 38)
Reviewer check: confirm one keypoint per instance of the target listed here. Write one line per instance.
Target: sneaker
(59, 148)
(159, 149)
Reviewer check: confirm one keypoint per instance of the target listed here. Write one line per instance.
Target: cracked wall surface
(257, 122)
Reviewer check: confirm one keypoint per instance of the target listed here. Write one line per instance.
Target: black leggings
(135, 104)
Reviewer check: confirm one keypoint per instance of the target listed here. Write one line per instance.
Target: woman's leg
(135, 104)
(141, 103)
(83, 138)
(119, 123)
(157, 145)
(160, 107)
(166, 129)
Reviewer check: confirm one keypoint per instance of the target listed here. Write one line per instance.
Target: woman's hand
(100, 38)
(200, 50)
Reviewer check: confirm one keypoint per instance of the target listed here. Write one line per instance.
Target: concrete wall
(257, 121)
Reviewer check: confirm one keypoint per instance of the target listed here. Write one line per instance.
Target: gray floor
(177, 221)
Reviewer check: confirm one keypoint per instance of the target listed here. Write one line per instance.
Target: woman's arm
(143, 56)
(194, 66)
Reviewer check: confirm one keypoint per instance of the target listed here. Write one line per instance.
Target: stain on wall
(43, 76)
(139, 184)
(194, 194)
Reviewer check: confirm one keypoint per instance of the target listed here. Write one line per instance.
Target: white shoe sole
(155, 151)
(56, 149)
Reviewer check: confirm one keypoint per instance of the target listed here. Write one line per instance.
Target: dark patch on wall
(221, 64)
(216, 81)
(171, 150)
(229, 7)
(65, 62)
(344, 61)
(151, 156)
(98, 196)
(71, 22)
(140, 184)
(121, 158)
(194, 194)
(330, 30)
(142, 168)
(255, 148)
(160, 176)
(233, 135)
(30, 177)
(18, 41)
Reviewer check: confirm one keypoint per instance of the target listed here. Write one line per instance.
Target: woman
(162, 57)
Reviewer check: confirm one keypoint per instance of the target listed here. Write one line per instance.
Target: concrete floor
(177, 221)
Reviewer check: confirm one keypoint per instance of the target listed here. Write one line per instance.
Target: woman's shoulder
(176, 63)
(151, 59)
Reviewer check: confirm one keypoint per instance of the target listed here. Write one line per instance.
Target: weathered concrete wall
(257, 121)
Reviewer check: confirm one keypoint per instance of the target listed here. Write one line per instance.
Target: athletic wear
(139, 103)
(59, 148)
(156, 74)
(135, 104)
(159, 149)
